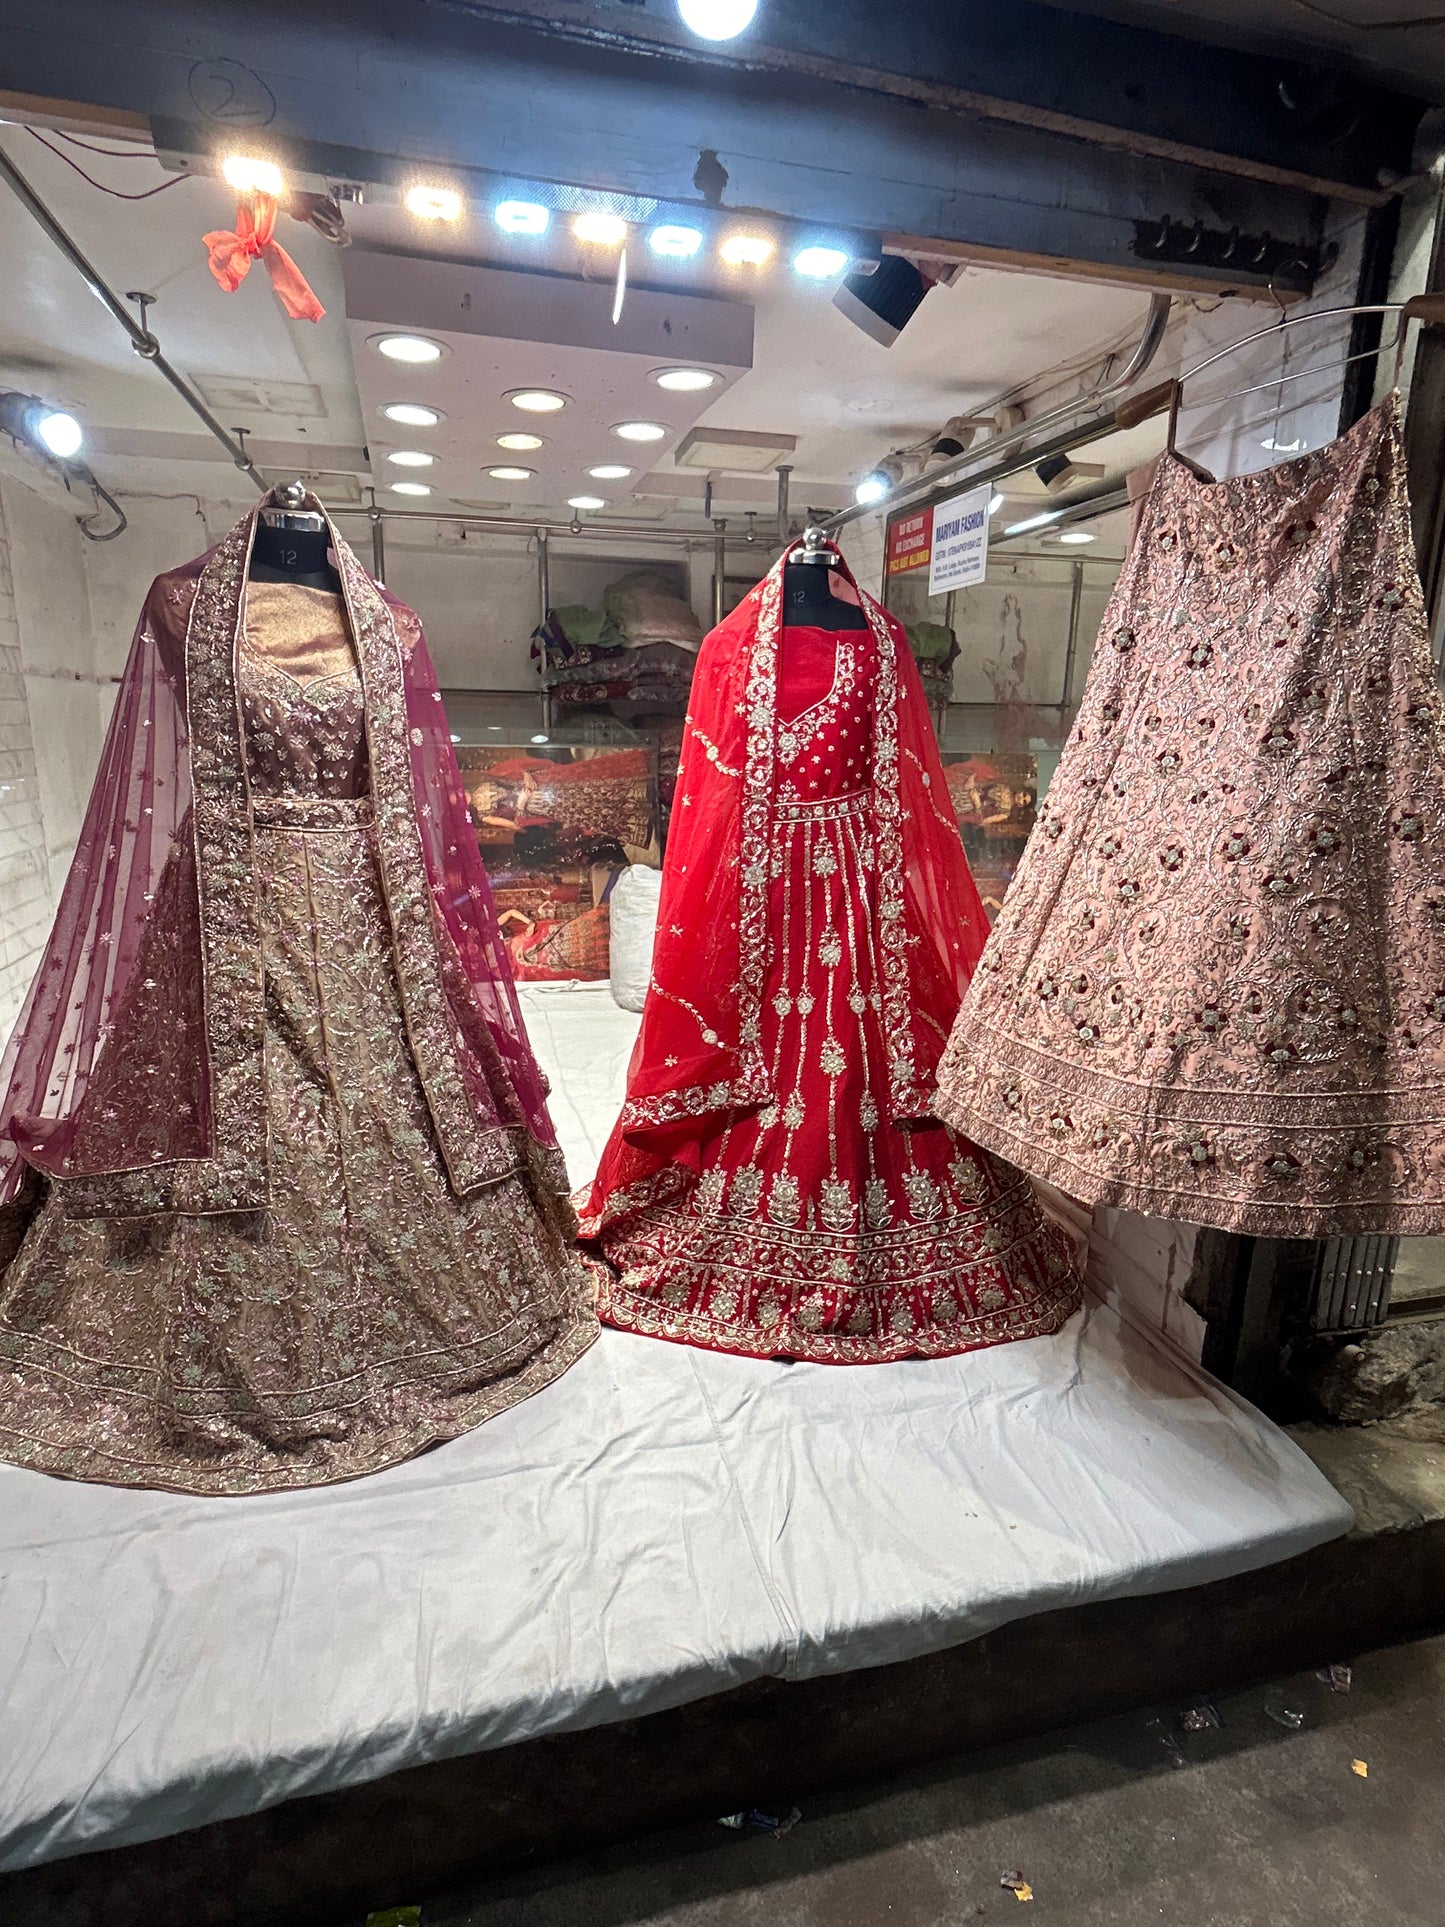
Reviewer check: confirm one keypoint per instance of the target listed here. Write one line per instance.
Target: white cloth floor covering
(659, 1525)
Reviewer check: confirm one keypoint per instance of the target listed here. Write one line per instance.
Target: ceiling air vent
(742, 450)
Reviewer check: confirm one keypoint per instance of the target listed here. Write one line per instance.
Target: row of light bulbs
(669, 240)
(420, 350)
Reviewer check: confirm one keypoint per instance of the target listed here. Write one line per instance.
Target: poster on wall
(555, 831)
(958, 556)
(995, 798)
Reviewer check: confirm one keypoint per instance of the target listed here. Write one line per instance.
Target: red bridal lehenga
(1217, 988)
(777, 1184)
(281, 1200)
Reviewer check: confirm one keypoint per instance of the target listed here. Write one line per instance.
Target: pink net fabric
(81, 1048)
(107, 1071)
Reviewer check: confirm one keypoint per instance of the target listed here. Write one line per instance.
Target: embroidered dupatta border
(474, 1154)
(757, 828)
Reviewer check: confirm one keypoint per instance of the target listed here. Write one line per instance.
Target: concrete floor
(1116, 1824)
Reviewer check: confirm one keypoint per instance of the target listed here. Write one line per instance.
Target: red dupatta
(698, 1057)
(134, 1080)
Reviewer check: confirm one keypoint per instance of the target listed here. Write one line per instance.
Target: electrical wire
(112, 153)
(114, 192)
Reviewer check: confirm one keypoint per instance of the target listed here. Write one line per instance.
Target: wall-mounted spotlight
(717, 19)
(58, 437)
(1057, 471)
(879, 482)
(884, 302)
(25, 418)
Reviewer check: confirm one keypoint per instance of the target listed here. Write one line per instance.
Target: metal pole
(1076, 597)
(378, 548)
(141, 339)
(719, 569)
(968, 470)
(516, 525)
(544, 608)
(785, 477)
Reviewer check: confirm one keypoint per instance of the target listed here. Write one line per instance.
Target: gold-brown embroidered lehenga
(385, 1288)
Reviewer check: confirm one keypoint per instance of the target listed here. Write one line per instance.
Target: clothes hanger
(1167, 397)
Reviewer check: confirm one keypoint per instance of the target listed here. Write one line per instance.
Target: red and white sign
(910, 542)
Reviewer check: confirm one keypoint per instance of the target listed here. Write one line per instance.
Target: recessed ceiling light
(522, 217)
(1077, 537)
(600, 230)
(995, 503)
(610, 472)
(410, 488)
(675, 243)
(685, 381)
(819, 263)
(411, 414)
(585, 502)
(511, 474)
(746, 250)
(537, 401)
(520, 443)
(415, 348)
(433, 203)
(641, 431)
(411, 458)
(250, 175)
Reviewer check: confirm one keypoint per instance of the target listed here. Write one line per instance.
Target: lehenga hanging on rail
(281, 1199)
(1217, 988)
(777, 1183)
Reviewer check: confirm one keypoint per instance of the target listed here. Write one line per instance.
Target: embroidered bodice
(300, 694)
(826, 684)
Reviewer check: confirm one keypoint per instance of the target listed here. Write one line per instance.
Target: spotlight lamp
(522, 217)
(675, 243)
(600, 230)
(249, 174)
(25, 418)
(717, 19)
(879, 482)
(819, 263)
(746, 251)
(430, 203)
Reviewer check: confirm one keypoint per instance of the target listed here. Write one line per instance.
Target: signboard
(959, 554)
(910, 542)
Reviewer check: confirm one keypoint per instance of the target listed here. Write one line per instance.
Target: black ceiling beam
(1294, 121)
(374, 89)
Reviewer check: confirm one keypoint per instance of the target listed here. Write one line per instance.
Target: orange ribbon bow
(231, 256)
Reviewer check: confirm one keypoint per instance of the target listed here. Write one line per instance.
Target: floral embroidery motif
(1303, 953)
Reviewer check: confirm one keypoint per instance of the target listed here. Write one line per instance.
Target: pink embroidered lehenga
(279, 1195)
(777, 1183)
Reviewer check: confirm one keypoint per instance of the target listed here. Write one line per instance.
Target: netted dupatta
(699, 1053)
(134, 1079)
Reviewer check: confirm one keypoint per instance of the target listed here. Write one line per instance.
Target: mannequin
(808, 598)
(292, 545)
